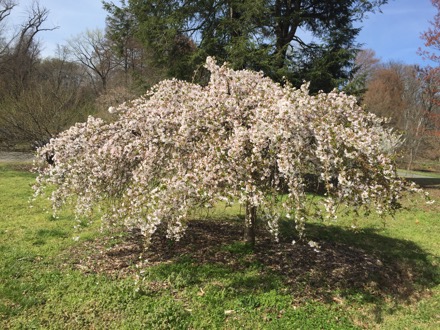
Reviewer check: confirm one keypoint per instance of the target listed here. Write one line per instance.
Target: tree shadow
(425, 182)
(363, 261)
(362, 265)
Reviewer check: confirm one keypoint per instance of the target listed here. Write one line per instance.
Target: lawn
(52, 276)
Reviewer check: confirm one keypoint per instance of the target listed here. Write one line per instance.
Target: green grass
(419, 173)
(41, 286)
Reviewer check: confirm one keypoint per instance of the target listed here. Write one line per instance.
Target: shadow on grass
(425, 182)
(367, 262)
(363, 266)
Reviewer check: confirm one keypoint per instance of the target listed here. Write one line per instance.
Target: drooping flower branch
(242, 138)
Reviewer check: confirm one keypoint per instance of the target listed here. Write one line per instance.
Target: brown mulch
(309, 273)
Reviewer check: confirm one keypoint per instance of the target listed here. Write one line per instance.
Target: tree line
(406, 95)
(144, 42)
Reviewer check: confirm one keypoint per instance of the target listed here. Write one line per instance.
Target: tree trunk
(249, 224)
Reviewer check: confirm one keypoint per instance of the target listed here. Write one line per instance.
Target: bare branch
(93, 50)
(6, 7)
(37, 16)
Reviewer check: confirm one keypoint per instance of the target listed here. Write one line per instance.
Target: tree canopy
(241, 138)
(268, 35)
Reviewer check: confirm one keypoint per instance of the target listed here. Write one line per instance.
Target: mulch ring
(310, 273)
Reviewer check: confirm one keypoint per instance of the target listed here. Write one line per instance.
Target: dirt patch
(308, 272)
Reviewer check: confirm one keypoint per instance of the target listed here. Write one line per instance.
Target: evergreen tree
(266, 35)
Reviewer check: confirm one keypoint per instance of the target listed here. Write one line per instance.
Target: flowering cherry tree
(242, 138)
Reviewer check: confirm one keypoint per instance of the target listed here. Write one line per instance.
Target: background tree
(385, 93)
(93, 50)
(329, 65)
(56, 98)
(398, 92)
(21, 52)
(259, 35)
(136, 61)
(141, 23)
(364, 66)
(6, 7)
(38, 98)
(431, 51)
(432, 37)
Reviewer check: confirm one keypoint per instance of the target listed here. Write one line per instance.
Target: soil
(309, 273)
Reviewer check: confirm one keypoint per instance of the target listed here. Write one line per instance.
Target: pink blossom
(242, 138)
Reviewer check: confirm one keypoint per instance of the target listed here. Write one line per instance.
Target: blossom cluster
(241, 138)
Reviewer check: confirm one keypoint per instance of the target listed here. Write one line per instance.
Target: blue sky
(393, 34)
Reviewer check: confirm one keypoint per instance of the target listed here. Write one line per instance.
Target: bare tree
(364, 65)
(384, 95)
(414, 120)
(6, 7)
(37, 98)
(56, 100)
(93, 50)
(37, 16)
(366, 62)
(20, 53)
(398, 92)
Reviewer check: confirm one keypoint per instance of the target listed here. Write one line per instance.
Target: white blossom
(241, 138)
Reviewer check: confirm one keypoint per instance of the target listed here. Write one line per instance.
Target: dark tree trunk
(250, 223)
